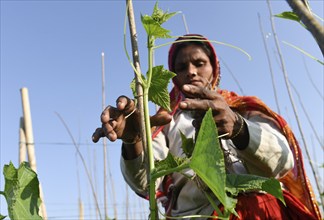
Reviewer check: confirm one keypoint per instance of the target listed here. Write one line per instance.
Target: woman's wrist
(240, 134)
(131, 149)
(132, 140)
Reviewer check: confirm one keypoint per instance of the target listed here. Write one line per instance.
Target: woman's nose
(192, 71)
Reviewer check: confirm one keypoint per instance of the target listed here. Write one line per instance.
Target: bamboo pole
(106, 152)
(30, 143)
(139, 88)
(81, 212)
(22, 142)
(136, 61)
(104, 142)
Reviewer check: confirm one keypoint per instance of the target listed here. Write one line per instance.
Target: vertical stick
(135, 53)
(142, 105)
(106, 152)
(104, 142)
(81, 213)
(185, 23)
(30, 143)
(22, 142)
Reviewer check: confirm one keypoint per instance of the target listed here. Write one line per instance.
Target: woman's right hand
(123, 121)
(120, 122)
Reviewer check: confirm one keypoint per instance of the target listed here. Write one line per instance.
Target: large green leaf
(21, 192)
(208, 161)
(237, 183)
(158, 91)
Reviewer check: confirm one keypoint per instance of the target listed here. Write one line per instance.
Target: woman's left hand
(201, 99)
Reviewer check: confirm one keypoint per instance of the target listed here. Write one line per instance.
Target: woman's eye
(180, 68)
(199, 64)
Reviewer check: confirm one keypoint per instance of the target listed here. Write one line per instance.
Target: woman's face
(192, 66)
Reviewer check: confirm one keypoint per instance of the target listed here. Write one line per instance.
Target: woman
(255, 140)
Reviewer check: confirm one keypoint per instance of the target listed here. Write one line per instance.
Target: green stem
(168, 171)
(153, 207)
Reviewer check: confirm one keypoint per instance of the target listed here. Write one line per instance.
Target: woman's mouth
(195, 82)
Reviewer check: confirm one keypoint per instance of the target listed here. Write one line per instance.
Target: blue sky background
(54, 49)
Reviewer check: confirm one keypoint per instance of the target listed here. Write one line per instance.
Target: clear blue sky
(54, 49)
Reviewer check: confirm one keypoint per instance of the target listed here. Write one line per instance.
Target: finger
(105, 115)
(97, 135)
(197, 104)
(125, 104)
(110, 113)
(160, 119)
(198, 92)
(108, 130)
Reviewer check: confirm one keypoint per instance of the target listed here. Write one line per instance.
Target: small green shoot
(290, 16)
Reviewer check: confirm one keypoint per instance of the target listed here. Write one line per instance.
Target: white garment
(267, 154)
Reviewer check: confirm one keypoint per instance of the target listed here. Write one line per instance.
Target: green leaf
(160, 16)
(2, 217)
(290, 16)
(237, 183)
(153, 28)
(187, 145)
(152, 24)
(208, 161)
(21, 192)
(273, 187)
(158, 91)
(168, 163)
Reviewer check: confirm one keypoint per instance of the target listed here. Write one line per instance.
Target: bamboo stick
(106, 152)
(136, 61)
(22, 142)
(81, 212)
(139, 88)
(30, 143)
(104, 142)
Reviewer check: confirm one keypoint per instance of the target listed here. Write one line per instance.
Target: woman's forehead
(190, 52)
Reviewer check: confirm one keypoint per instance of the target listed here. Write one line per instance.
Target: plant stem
(173, 170)
(153, 206)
